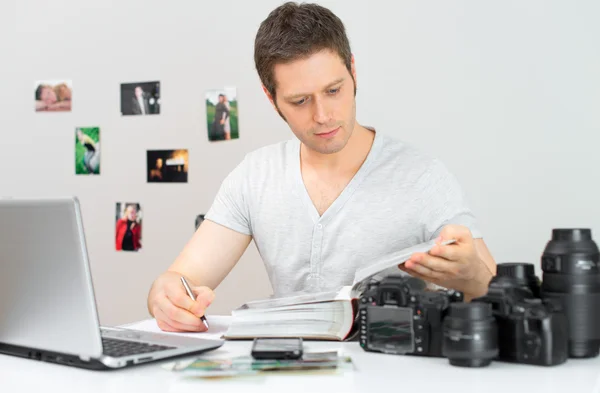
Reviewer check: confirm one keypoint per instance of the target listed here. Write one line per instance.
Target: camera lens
(571, 277)
(470, 335)
(521, 274)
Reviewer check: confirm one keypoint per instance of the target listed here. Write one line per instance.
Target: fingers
(432, 266)
(423, 270)
(457, 232)
(180, 298)
(177, 295)
(167, 319)
(450, 252)
(204, 297)
(178, 315)
(415, 274)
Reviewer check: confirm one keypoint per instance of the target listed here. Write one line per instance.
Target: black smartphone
(277, 348)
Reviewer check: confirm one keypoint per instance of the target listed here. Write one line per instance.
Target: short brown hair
(294, 31)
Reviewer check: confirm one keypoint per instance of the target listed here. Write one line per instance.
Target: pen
(191, 294)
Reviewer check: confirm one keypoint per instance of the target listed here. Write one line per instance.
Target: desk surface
(372, 372)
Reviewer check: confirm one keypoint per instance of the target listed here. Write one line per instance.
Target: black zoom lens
(470, 335)
(522, 274)
(571, 277)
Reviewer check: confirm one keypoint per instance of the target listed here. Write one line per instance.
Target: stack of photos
(162, 166)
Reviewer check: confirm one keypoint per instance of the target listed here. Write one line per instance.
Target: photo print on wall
(222, 114)
(53, 96)
(141, 98)
(167, 166)
(128, 227)
(87, 150)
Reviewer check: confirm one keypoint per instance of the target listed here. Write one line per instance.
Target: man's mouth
(329, 134)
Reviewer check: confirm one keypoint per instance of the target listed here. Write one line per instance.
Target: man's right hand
(172, 307)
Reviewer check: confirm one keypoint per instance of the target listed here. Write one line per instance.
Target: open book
(319, 316)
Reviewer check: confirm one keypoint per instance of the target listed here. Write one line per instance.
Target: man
(221, 116)
(338, 198)
(139, 103)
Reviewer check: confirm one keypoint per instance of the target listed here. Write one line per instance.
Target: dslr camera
(530, 330)
(399, 315)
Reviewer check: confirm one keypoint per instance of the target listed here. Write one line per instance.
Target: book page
(386, 265)
(298, 298)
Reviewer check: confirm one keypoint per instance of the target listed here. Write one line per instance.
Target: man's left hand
(457, 265)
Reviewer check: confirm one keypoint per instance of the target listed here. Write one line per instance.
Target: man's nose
(321, 112)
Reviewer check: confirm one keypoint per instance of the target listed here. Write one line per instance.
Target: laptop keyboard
(118, 348)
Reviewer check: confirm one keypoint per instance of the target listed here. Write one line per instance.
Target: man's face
(48, 95)
(315, 96)
(138, 92)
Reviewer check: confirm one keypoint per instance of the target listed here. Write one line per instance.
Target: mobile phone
(277, 348)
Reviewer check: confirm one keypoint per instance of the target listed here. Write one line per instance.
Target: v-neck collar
(348, 190)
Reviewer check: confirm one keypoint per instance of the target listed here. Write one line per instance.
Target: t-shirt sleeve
(444, 203)
(230, 206)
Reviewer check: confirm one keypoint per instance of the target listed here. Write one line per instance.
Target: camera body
(398, 315)
(530, 330)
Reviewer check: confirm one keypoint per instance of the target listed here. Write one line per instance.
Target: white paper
(218, 325)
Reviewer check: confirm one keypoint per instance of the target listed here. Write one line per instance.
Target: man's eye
(334, 91)
(302, 101)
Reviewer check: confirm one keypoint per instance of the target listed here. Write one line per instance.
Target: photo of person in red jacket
(129, 227)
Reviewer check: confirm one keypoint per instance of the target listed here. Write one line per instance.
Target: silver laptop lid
(46, 294)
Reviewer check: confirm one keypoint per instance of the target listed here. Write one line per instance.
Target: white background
(506, 93)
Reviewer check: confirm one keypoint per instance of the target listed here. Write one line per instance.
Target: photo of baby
(53, 96)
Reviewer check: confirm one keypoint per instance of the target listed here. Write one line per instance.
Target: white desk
(372, 373)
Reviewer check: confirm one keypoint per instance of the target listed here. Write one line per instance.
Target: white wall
(505, 93)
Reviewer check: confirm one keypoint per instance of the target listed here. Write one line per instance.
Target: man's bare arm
(211, 254)
(205, 261)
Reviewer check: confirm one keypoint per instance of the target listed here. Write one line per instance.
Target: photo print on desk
(87, 150)
(141, 98)
(53, 96)
(222, 114)
(167, 166)
(128, 229)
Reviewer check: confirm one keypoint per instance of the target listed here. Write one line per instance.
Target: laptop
(47, 304)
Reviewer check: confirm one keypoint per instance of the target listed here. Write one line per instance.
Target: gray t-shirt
(397, 199)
